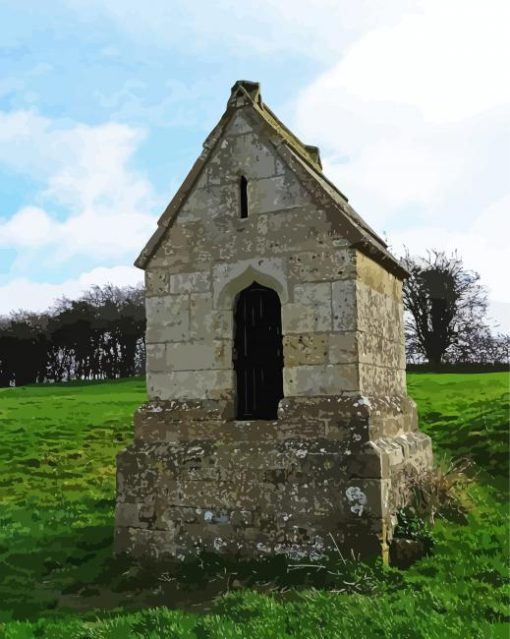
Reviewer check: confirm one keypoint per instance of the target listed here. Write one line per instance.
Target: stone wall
(380, 323)
(210, 254)
(196, 480)
(328, 470)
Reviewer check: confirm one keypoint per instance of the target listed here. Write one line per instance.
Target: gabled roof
(303, 159)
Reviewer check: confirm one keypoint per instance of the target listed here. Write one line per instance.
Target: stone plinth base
(329, 471)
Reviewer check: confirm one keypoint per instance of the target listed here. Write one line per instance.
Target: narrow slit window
(243, 186)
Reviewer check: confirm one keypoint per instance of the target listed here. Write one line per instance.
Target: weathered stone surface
(317, 266)
(344, 306)
(157, 282)
(212, 384)
(377, 278)
(343, 348)
(275, 194)
(156, 357)
(330, 468)
(312, 486)
(305, 349)
(190, 282)
(246, 153)
(167, 318)
(325, 380)
(194, 356)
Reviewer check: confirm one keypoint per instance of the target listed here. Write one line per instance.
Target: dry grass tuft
(441, 490)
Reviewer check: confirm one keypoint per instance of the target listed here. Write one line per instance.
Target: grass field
(58, 579)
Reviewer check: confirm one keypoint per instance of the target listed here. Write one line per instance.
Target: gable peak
(243, 92)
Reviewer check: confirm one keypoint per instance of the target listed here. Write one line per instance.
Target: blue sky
(104, 106)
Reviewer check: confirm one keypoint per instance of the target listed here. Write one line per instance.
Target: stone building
(278, 418)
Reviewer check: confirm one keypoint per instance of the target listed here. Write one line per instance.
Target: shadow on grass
(480, 432)
(76, 572)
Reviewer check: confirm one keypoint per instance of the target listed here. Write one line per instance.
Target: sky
(104, 106)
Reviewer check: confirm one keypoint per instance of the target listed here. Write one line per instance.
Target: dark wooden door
(258, 352)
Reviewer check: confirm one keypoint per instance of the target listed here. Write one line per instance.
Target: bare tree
(446, 307)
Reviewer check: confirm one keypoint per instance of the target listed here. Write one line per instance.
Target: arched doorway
(258, 352)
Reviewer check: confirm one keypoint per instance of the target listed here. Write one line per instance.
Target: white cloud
(86, 170)
(449, 61)
(403, 129)
(23, 293)
(88, 234)
(31, 226)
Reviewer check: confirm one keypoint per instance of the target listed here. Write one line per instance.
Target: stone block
(313, 294)
(387, 322)
(322, 265)
(305, 498)
(156, 358)
(194, 356)
(377, 277)
(371, 461)
(343, 348)
(186, 514)
(241, 518)
(241, 460)
(167, 318)
(238, 125)
(366, 497)
(141, 542)
(244, 154)
(311, 310)
(210, 201)
(184, 412)
(338, 406)
(258, 431)
(344, 310)
(300, 429)
(203, 384)
(126, 515)
(303, 226)
(199, 282)
(299, 318)
(157, 282)
(320, 380)
(305, 349)
(392, 449)
(275, 194)
(381, 380)
(201, 316)
(376, 350)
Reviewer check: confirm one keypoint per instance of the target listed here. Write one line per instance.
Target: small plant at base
(410, 526)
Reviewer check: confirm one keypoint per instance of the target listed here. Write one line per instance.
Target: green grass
(466, 415)
(58, 578)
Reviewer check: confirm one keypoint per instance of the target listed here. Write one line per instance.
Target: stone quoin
(278, 419)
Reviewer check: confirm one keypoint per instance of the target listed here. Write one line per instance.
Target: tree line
(101, 334)
(98, 336)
